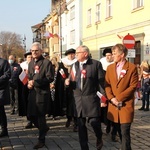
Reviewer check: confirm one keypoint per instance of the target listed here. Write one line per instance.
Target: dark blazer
(15, 72)
(5, 74)
(39, 96)
(87, 102)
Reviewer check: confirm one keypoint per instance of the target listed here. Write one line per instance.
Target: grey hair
(85, 48)
(37, 44)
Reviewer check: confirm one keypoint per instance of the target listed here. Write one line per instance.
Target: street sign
(131, 53)
(129, 41)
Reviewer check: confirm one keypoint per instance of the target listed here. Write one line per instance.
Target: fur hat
(69, 51)
(107, 50)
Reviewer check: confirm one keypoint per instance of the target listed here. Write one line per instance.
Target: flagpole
(60, 24)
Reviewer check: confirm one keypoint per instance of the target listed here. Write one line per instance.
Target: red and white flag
(62, 73)
(23, 77)
(59, 37)
(48, 35)
(72, 73)
(102, 97)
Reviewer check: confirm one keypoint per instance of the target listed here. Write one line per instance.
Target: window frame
(108, 8)
(89, 17)
(138, 4)
(98, 12)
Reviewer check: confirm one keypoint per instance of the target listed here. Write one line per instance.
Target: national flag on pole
(23, 77)
(119, 36)
(48, 35)
(59, 37)
(102, 97)
(72, 73)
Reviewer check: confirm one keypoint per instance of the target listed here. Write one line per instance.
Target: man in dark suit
(5, 74)
(87, 78)
(40, 73)
(14, 83)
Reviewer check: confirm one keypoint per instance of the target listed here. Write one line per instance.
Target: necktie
(81, 68)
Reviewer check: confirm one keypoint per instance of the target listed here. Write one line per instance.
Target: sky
(19, 15)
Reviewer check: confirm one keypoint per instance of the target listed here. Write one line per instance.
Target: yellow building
(107, 22)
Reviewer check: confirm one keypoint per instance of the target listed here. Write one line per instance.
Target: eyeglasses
(34, 51)
(79, 52)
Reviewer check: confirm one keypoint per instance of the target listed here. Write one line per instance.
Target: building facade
(107, 22)
(97, 24)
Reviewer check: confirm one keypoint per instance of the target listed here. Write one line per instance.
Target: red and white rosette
(36, 69)
(83, 73)
(122, 73)
(15, 68)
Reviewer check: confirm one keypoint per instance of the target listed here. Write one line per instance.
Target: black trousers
(14, 99)
(145, 100)
(126, 139)
(3, 118)
(40, 123)
(82, 130)
(116, 129)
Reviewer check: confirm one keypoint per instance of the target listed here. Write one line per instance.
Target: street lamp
(24, 43)
(1, 50)
(62, 9)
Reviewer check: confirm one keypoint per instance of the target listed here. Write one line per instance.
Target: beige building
(107, 22)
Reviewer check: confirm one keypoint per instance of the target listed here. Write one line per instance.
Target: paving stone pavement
(61, 138)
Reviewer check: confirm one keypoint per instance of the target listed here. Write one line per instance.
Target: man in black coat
(40, 73)
(14, 82)
(87, 78)
(5, 74)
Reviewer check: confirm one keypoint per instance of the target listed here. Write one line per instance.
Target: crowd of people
(68, 87)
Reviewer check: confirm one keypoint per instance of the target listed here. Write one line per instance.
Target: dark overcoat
(38, 99)
(87, 102)
(5, 74)
(57, 105)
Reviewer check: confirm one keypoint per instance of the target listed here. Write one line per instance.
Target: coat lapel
(114, 73)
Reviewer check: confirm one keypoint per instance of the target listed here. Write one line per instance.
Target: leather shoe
(99, 144)
(141, 108)
(47, 129)
(67, 123)
(113, 138)
(108, 129)
(29, 126)
(146, 109)
(75, 129)
(39, 145)
(3, 133)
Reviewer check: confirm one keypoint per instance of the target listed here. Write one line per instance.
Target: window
(72, 12)
(98, 6)
(72, 37)
(137, 3)
(89, 19)
(108, 8)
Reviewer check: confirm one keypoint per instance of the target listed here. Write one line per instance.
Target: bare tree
(10, 43)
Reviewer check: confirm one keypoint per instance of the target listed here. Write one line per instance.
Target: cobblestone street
(61, 138)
